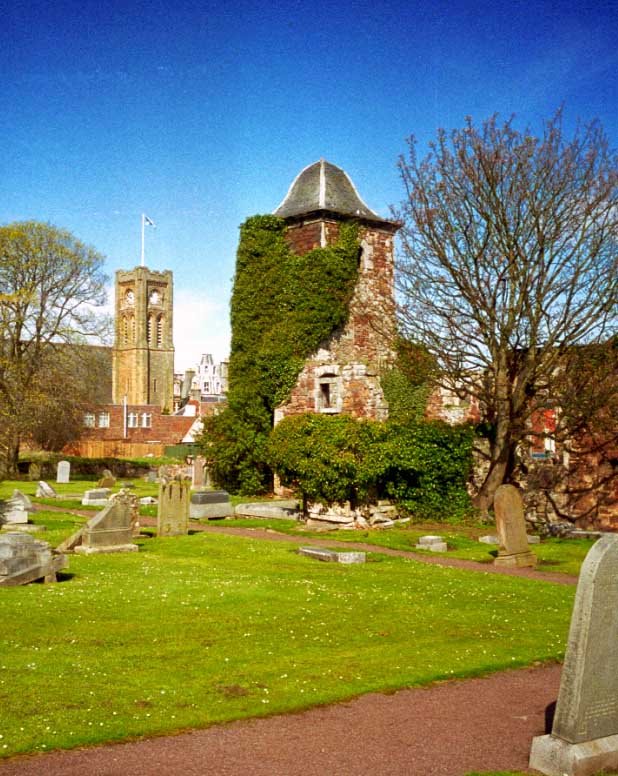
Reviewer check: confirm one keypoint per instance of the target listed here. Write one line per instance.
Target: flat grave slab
(332, 556)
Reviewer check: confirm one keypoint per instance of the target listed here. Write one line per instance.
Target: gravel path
(447, 729)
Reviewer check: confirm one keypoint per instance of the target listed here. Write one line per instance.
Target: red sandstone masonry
(355, 355)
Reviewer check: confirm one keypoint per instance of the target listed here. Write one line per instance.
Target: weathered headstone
(212, 504)
(23, 498)
(151, 476)
(197, 472)
(24, 559)
(330, 556)
(97, 497)
(14, 514)
(125, 496)
(12, 511)
(173, 510)
(110, 530)
(34, 472)
(432, 543)
(207, 477)
(63, 472)
(44, 490)
(107, 480)
(511, 527)
(584, 737)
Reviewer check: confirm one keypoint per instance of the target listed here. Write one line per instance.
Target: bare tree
(51, 286)
(509, 263)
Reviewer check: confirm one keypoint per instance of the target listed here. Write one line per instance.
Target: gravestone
(584, 737)
(107, 480)
(24, 559)
(110, 530)
(330, 556)
(23, 499)
(489, 539)
(432, 543)
(34, 472)
(63, 472)
(212, 504)
(284, 509)
(197, 472)
(511, 527)
(44, 490)
(13, 512)
(125, 496)
(207, 477)
(173, 510)
(98, 497)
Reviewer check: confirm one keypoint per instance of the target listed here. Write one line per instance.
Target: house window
(89, 420)
(103, 419)
(133, 419)
(146, 420)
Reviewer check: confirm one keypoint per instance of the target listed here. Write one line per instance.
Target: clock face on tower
(155, 297)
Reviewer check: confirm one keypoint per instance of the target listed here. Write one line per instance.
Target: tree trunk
(501, 453)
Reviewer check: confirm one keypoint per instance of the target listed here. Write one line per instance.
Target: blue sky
(200, 114)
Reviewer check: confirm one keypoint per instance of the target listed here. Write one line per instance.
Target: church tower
(143, 354)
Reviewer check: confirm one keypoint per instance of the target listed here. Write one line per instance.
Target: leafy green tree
(509, 264)
(51, 290)
(423, 466)
(327, 458)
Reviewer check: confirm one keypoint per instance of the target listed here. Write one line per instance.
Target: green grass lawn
(562, 555)
(206, 628)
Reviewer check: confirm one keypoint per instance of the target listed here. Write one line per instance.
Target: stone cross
(63, 472)
(173, 510)
(584, 737)
(511, 527)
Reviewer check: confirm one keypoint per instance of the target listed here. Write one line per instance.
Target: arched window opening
(159, 331)
(150, 331)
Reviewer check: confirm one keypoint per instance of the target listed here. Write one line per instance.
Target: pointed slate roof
(323, 186)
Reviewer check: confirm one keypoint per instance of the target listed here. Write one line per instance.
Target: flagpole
(143, 220)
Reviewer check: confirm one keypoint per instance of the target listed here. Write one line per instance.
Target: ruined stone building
(343, 376)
